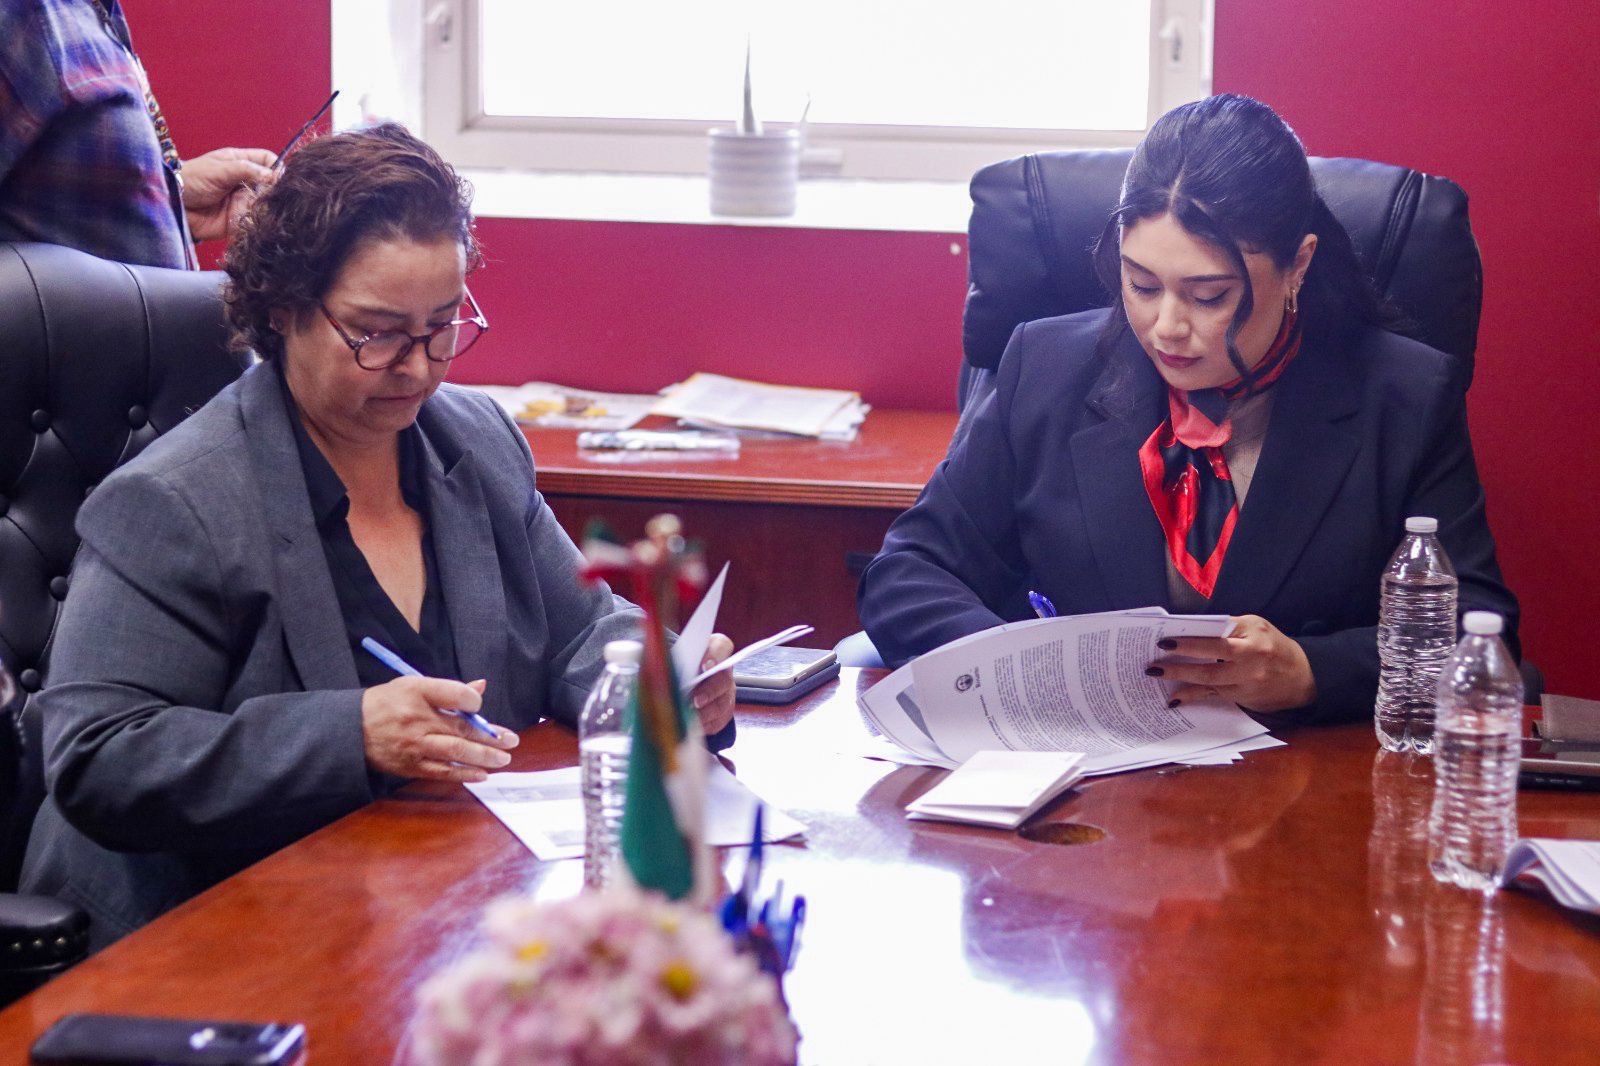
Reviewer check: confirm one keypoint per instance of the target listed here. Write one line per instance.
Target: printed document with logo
(1071, 684)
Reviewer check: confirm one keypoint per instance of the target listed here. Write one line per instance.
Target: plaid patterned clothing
(80, 163)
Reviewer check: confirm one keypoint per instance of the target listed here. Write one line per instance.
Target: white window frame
(453, 119)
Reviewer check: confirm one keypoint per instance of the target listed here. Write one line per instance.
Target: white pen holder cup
(754, 173)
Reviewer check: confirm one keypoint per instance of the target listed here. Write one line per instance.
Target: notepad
(999, 788)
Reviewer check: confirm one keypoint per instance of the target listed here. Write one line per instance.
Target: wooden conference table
(1277, 910)
(796, 517)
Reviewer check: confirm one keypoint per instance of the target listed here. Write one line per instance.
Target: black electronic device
(129, 1040)
(1560, 764)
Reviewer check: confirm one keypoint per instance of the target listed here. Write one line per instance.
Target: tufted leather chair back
(96, 360)
(1034, 219)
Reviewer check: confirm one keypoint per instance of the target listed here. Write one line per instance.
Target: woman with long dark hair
(1238, 433)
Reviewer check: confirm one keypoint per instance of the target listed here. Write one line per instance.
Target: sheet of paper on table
(544, 810)
(733, 403)
(1058, 684)
(1569, 869)
(541, 403)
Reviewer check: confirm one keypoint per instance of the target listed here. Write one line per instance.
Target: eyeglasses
(390, 347)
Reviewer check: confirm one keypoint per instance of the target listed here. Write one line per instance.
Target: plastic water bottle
(1474, 818)
(604, 744)
(1416, 631)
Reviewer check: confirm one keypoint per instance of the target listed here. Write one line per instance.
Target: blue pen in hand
(400, 666)
(1041, 604)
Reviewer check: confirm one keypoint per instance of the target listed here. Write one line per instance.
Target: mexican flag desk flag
(663, 821)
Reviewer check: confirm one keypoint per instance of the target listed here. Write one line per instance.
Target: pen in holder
(753, 171)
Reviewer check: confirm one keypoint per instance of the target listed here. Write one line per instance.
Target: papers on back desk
(544, 810)
(716, 400)
(1058, 684)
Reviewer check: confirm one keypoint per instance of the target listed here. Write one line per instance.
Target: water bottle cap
(626, 652)
(1420, 524)
(1482, 623)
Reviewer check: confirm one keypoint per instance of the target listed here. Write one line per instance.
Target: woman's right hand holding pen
(407, 732)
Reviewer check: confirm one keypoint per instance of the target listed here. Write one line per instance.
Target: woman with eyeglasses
(1239, 433)
(209, 697)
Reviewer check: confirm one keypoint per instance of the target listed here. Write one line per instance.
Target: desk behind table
(798, 518)
(1278, 910)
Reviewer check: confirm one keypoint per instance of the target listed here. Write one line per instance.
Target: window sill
(824, 203)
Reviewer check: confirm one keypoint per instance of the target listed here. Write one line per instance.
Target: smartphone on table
(128, 1040)
(783, 674)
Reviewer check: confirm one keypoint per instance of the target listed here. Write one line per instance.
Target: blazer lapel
(1122, 526)
(469, 565)
(312, 623)
(1307, 453)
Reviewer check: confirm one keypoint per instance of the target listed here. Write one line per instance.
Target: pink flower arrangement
(602, 979)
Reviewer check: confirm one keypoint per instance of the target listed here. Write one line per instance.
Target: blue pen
(1041, 604)
(400, 666)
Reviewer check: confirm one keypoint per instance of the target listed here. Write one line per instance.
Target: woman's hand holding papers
(714, 697)
(1257, 667)
(406, 735)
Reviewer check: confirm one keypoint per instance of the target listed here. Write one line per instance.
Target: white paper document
(1072, 684)
(713, 399)
(999, 788)
(689, 650)
(1569, 869)
(544, 810)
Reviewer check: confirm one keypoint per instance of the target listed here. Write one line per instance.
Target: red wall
(1505, 99)
(1502, 100)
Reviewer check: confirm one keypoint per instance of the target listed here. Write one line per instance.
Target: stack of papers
(544, 810)
(1072, 684)
(999, 788)
(539, 403)
(732, 403)
(1569, 869)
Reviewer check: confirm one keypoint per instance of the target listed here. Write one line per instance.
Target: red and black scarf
(1186, 475)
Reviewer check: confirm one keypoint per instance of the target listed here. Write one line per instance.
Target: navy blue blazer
(1044, 492)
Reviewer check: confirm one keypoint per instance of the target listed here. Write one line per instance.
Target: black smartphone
(127, 1040)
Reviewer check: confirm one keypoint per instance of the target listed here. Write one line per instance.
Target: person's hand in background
(220, 186)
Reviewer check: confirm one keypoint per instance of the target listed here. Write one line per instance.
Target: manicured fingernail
(1221, 660)
(1166, 644)
(1153, 671)
(1173, 703)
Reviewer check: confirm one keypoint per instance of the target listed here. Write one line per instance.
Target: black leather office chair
(1036, 217)
(96, 359)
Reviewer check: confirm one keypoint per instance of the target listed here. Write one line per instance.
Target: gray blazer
(203, 709)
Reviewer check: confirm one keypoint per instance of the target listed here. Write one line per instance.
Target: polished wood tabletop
(884, 467)
(1276, 910)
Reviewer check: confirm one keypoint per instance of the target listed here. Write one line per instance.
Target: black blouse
(368, 611)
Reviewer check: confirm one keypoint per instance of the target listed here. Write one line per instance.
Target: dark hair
(334, 193)
(1235, 175)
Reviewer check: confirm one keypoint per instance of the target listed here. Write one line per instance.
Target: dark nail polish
(1153, 671)
(1166, 644)
(1173, 703)
(1222, 660)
